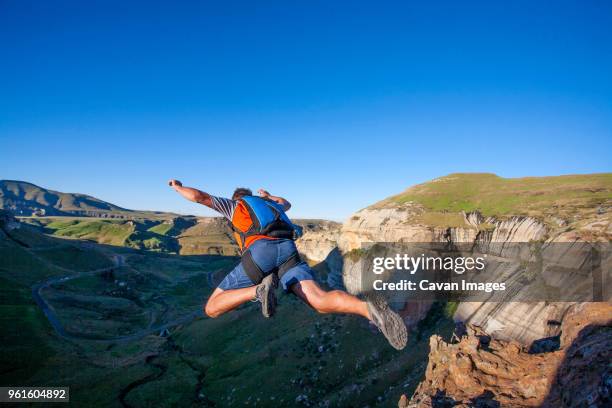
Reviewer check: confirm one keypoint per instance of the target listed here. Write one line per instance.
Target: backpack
(266, 218)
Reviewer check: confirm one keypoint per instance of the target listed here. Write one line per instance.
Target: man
(264, 235)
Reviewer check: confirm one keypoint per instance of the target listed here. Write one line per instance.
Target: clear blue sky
(334, 105)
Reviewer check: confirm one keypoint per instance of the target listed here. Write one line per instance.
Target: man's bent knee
(313, 295)
(210, 310)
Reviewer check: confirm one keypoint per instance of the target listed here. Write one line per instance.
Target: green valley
(131, 331)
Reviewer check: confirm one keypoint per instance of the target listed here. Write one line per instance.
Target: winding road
(118, 261)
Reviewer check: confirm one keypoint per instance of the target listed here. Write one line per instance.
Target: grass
(327, 357)
(132, 234)
(151, 241)
(75, 258)
(161, 228)
(20, 266)
(32, 238)
(182, 235)
(450, 308)
(32, 354)
(176, 388)
(24, 331)
(174, 227)
(496, 196)
(102, 231)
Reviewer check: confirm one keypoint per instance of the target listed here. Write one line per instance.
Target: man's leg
(222, 301)
(300, 280)
(335, 301)
(237, 288)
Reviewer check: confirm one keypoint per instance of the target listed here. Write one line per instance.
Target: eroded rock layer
(477, 370)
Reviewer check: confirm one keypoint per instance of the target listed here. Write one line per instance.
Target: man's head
(241, 192)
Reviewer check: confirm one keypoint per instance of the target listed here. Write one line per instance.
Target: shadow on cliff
(485, 400)
(584, 377)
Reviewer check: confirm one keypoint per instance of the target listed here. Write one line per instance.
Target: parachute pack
(256, 216)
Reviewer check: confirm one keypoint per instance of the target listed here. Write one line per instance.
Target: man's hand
(191, 194)
(279, 200)
(175, 183)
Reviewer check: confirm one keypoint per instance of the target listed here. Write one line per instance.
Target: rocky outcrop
(209, 236)
(402, 224)
(477, 370)
(524, 322)
(319, 240)
(382, 225)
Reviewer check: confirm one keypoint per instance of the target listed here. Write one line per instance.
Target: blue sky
(334, 105)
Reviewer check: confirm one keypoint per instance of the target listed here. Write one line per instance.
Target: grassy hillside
(25, 198)
(27, 257)
(174, 227)
(491, 195)
(153, 289)
(102, 231)
(210, 236)
(183, 235)
(152, 235)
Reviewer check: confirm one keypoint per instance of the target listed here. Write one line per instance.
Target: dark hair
(241, 192)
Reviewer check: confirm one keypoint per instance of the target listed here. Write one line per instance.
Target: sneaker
(265, 293)
(388, 322)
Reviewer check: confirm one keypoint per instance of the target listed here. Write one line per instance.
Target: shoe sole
(393, 326)
(268, 302)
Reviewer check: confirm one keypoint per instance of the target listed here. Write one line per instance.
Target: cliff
(485, 210)
(476, 370)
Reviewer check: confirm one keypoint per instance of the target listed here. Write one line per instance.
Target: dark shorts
(269, 254)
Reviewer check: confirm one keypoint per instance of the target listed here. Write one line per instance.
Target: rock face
(319, 240)
(382, 225)
(524, 322)
(402, 224)
(478, 371)
(399, 225)
(319, 245)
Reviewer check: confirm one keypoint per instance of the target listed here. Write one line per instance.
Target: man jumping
(265, 237)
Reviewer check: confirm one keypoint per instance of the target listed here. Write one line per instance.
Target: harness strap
(252, 270)
(292, 261)
(256, 275)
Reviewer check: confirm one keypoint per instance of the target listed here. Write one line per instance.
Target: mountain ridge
(23, 198)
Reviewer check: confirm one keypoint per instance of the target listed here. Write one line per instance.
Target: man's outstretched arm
(191, 194)
(279, 200)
